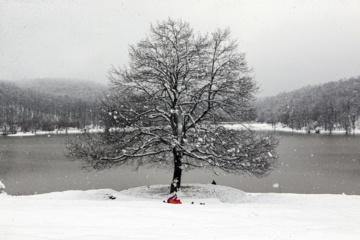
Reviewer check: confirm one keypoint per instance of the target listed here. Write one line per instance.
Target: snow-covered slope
(141, 214)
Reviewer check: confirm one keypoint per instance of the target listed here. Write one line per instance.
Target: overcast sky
(290, 44)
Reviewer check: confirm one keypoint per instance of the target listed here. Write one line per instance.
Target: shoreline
(235, 126)
(280, 128)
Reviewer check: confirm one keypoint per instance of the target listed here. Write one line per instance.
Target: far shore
(230, 125)
(281, 128)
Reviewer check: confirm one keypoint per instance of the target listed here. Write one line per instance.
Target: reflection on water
(307, 164)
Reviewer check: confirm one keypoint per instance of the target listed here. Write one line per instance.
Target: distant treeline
(48, 104)
(58, 104)
(328, 106)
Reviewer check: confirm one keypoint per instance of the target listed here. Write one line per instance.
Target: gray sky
(289, 43)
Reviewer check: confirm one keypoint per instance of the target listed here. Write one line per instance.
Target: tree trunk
(176, 181)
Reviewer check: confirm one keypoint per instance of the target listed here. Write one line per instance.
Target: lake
(307, 164)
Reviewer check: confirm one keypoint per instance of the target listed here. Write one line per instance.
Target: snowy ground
(141, 214)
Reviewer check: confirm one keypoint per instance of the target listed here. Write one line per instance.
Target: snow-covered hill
(141, 214)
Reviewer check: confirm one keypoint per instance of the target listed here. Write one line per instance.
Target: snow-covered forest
(334, 105)
(57, 104)
(48, 104)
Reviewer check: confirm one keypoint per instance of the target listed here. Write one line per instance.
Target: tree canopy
(166, 106)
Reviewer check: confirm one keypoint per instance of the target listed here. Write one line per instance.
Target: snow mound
(190, 192)
(101, 194)
(222, 193)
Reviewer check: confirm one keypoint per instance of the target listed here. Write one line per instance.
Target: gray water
(307, 164)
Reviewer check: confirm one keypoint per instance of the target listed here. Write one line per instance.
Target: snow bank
(262, 127)
(281, 128)
(190, 192)
(139, 213)
(21, 134)
(69, 131)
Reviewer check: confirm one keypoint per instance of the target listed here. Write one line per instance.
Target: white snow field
(141, 214)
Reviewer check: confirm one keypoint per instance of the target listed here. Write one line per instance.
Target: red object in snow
(173, 200)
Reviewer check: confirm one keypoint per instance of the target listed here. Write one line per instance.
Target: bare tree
(164, 108)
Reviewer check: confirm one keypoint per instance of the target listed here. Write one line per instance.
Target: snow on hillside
(141, 214)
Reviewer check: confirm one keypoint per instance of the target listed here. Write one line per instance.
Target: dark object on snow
(317, 131)
(213, 182)
(109, 196)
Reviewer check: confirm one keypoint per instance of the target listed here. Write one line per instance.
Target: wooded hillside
(327, 106)
(48, 104)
